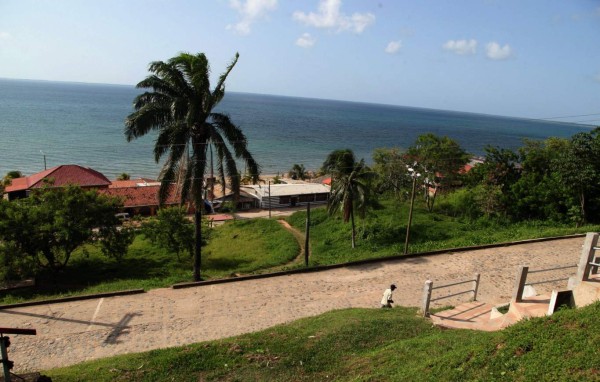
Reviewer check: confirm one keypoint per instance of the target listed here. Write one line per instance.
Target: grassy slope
(242, 246)
(372, 345)
(383, 233)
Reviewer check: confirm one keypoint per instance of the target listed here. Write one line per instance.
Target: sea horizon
(82, 123)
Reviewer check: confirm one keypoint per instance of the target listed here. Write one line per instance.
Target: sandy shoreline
(73, 332)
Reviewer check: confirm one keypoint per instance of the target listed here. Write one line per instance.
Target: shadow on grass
(225, 265)
(85, 273)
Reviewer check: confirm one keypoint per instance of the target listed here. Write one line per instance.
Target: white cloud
(462, 47)
(305, 41)
(250, 11)
(496, 52)
(330, 17)
(393, 47)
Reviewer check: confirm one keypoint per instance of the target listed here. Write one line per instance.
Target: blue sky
(535, 59)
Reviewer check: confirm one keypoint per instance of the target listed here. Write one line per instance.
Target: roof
(141, 182)
(61, 176)
(141, 196)
(286, 189)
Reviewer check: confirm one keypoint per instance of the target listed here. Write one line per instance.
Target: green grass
(382, 233)
(372, 345)
(237, 247)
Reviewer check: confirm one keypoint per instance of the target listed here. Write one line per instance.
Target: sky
(522, 58)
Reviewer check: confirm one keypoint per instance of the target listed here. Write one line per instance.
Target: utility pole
(307, 236)
(414, 175)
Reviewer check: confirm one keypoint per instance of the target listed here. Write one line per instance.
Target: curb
(319, 268)
(73, 298)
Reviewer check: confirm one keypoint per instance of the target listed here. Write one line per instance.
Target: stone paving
(73, 332)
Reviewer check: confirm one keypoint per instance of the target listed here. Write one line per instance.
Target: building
(140, 196)
(59, 176)
(287, 195)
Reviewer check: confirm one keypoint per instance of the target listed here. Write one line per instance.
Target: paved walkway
(73, 332)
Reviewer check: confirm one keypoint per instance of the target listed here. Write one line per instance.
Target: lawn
(237, 247)
(372, 345)
(383, 231)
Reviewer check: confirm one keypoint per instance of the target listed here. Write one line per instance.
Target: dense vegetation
(265, 245)
(372, 345)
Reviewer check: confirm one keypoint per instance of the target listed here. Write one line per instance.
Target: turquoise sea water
(72, 123)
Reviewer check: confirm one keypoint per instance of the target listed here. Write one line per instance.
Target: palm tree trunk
(197, 242)
(353, 229)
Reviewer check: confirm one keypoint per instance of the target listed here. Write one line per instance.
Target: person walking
(386, 300)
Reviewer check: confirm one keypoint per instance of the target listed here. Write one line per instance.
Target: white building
(288, 195)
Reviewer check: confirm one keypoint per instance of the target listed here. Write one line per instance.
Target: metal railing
(429, 288)
(524, 271)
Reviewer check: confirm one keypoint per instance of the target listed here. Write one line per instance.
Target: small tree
(116, 241)
(52, 223)
(124, 176)
(298, 172)
(172, 230)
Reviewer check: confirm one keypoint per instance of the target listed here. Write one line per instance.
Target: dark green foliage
(172, 230)
(116, 241)
(51, 223)
(372, 345)
(298, 172)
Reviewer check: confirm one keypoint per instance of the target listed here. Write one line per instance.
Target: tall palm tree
(179, 105)
(351, 186)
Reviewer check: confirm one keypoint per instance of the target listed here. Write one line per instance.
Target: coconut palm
(179, 105)
(351, 185)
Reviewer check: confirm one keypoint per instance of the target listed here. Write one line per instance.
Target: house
(288, 195)
(140, 196)
(58, 176)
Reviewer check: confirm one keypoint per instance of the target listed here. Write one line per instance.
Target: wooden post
(307, 236)
(427, 297)
(476, 286)
(520, 284)
(587, 255)
(269, 199)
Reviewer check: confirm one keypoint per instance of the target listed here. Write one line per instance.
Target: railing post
(587, 255)
(427, 297)
(520, 284)
(476, 286)
(595, 267)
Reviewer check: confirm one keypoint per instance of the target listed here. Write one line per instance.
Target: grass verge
(372, 345)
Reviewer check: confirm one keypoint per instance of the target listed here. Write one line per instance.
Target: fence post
(427, 297)
(520, 284)
(476, 286)
(587, 255)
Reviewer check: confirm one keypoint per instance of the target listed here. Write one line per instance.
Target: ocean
(75, 123)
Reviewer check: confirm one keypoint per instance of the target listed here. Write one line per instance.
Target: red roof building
(141, 199)
(59, 176)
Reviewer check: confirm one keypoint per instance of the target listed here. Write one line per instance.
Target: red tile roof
(141, 196)
(60, 176)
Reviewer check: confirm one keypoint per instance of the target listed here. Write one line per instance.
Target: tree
(390, 166)
(123, 176)
(351, 186)
(298, 172)
(50, 224)
(579, 168)
(180, 107)
(171, 230)
(440, 160)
